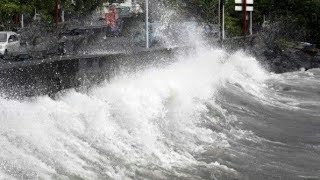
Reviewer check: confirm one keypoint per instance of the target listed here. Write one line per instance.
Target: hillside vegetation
(294, 19)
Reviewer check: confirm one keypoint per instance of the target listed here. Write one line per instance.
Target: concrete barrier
(48, 76)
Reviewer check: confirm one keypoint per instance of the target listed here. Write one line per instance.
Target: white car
(9, 42)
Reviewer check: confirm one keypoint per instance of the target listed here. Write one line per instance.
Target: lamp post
(147, 24)
(221, 20)
(21, 17)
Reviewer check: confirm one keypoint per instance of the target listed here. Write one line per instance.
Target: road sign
(239, 5)
(240, 1)
(245, 6)
(248, 8)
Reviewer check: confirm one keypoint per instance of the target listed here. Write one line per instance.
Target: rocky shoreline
(280, 58)
(281, 61)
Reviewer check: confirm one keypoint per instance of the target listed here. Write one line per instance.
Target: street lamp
(221, 20)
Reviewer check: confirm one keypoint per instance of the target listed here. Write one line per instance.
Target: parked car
(9, 42)
(12, 48)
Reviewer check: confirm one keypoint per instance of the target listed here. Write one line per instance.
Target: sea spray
(136, 123)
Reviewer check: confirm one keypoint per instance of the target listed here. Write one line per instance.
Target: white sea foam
(151, 118)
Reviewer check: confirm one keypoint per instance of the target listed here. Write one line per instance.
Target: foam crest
(152, 118)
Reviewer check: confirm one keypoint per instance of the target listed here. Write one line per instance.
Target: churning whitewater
(210, 115)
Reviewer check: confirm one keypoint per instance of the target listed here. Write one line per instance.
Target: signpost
(245, 6)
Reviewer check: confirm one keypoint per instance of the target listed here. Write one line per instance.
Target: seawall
(48, 76)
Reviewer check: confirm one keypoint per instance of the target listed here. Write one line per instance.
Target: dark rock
(285, 59)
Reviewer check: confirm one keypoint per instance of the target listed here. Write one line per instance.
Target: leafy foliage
(46, 8)
(303, 15)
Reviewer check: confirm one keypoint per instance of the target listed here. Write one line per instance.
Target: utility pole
(147, 24)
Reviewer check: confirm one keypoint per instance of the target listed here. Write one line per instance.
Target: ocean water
(209, 115)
